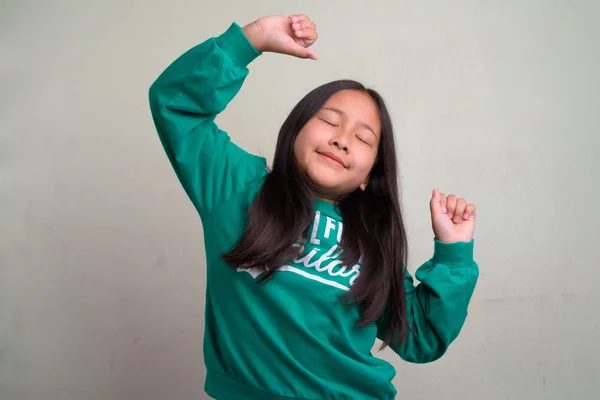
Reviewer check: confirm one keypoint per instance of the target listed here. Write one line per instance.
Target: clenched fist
(452, 218)
(285, 35)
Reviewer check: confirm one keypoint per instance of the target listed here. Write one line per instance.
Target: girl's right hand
(285, 35)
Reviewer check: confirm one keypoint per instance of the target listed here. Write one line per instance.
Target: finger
(307, 34)
(302, 52)
(443, 203)
(311, 54)
(299, 17)
(469, 212)
(435, 204)
(461, 204)
(451, 205)
(304, 24)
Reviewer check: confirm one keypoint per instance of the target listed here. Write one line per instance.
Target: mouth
(333, 159)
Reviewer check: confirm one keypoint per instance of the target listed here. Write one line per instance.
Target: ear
(363, 185)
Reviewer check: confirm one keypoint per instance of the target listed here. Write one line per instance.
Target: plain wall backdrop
(102, 270)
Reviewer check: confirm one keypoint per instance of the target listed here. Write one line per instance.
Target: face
(337, 147)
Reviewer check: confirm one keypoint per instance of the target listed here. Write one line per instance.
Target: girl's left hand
(452, 218)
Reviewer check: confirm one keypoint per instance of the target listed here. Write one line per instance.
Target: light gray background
(101, 254)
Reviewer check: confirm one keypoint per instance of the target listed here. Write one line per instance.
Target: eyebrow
(340, 112)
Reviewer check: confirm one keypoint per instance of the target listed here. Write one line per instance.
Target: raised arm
(185, 100)
(437, 307)
(195, 88)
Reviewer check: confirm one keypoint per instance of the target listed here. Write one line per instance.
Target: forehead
(356, 106)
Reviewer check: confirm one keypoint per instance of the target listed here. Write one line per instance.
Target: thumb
(434, 204)
(300, 51)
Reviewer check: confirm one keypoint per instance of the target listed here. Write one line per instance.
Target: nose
(341, 142)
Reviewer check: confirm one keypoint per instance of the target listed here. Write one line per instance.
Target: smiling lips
(332, 158)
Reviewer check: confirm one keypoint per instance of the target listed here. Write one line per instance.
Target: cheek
(364, 161)
(301, 150)
(304, 143)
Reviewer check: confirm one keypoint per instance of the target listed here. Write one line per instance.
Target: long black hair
(373, 227)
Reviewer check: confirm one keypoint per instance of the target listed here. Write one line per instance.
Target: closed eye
(327, 122)
(362, 140)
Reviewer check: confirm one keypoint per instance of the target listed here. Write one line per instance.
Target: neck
(326, 199)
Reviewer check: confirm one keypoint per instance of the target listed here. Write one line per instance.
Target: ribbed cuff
(235, 43)
(446, 253)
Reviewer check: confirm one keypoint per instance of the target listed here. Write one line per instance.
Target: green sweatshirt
(288, 338)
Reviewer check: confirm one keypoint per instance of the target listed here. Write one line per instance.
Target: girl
(306, 262)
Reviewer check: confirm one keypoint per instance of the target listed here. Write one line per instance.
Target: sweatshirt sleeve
(184, 102)
(437, 306)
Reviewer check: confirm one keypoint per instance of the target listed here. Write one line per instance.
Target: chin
(324, 184)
